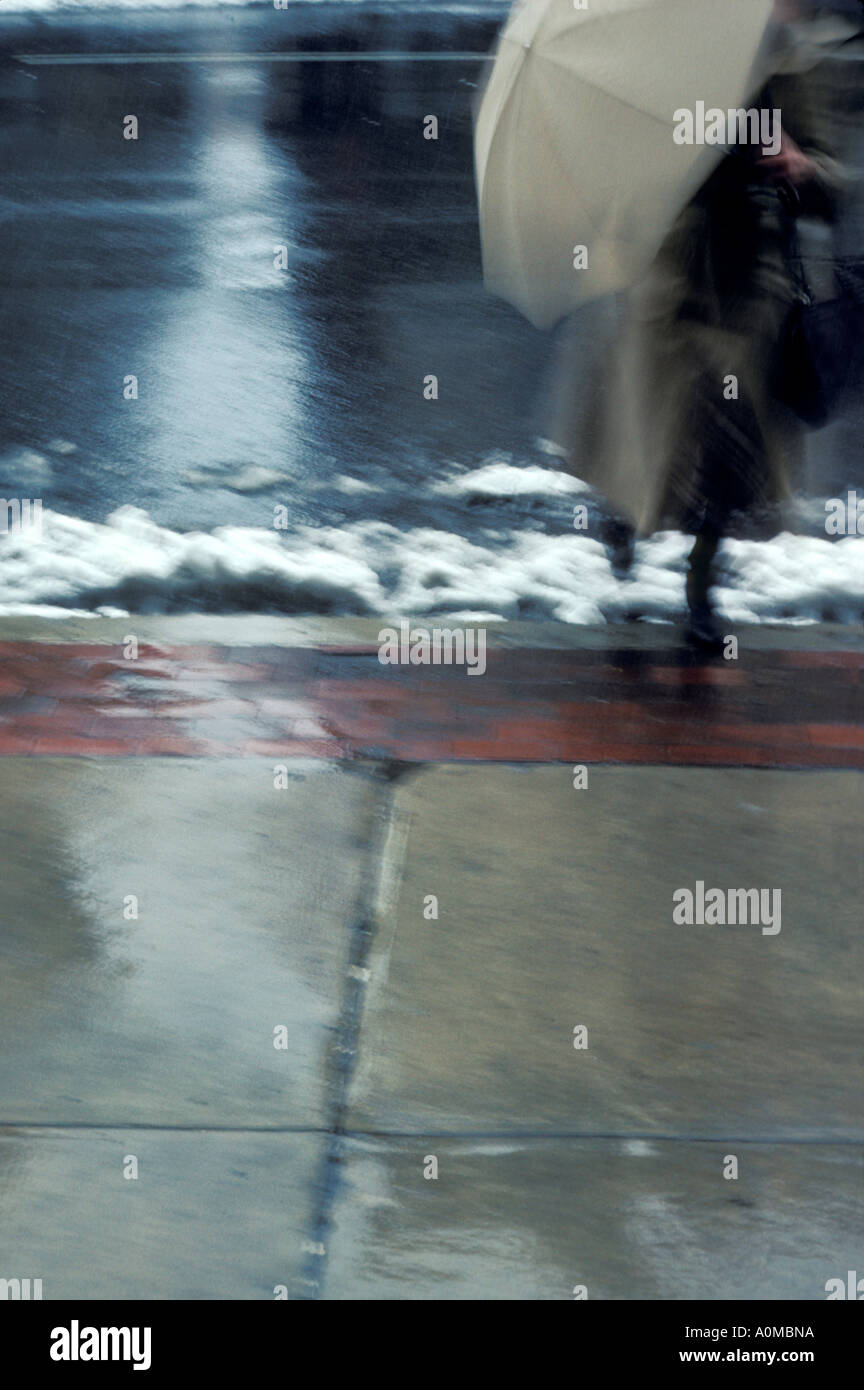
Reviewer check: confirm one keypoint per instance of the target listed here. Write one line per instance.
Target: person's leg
(619, 537)
(700, 575)
(730, 479)
(703, 627)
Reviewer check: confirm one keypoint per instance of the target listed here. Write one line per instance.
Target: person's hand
(790, 166)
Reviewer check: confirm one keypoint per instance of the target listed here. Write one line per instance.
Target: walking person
(690, 435)
(584, 193)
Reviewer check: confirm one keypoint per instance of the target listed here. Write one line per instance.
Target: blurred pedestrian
(689, 433)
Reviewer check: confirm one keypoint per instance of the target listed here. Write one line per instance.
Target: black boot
(703, 628)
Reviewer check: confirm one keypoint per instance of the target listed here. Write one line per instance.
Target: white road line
(96, 59)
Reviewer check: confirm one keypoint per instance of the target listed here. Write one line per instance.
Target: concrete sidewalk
(306, 944)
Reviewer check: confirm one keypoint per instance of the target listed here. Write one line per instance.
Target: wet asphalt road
(155, 258)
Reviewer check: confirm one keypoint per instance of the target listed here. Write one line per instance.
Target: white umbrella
(575, 137)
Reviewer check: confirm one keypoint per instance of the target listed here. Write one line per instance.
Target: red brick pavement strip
(770, 709)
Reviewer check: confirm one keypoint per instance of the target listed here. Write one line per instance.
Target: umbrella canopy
(575, 138)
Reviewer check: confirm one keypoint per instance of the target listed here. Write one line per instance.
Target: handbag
(821, 350)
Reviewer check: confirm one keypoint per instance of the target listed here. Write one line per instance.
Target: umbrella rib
(613, 96)
(507, 101)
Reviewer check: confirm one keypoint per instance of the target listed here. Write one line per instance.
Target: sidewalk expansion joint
(376, 879)
(353, 1133)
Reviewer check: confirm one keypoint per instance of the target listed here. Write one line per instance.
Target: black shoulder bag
(821, 352)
